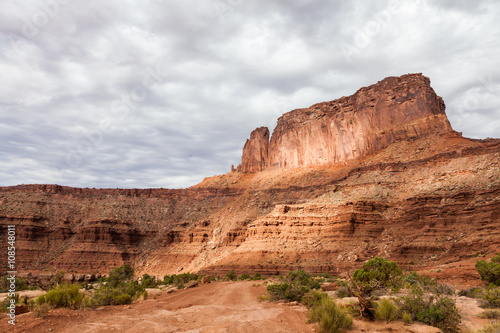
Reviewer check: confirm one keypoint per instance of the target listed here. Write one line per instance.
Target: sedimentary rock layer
(408, 189)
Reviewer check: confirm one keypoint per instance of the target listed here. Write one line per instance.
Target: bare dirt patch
(217, 307)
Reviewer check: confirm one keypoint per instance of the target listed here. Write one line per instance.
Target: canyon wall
(400, 184)
(394, 109)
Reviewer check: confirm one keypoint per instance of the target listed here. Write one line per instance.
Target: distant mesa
(394, 109)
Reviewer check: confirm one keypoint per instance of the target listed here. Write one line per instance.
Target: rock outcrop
(394, 109)
(394, 180)
(255, 151)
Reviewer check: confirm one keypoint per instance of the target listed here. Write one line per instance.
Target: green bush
(63, 296)
(428, 284)
(474, 292)
(120, 288)
(490, 271)
(107, 295)
(407, 318)
(4, 306)
(41, 311)
(377, 273)
(386, 310)
(330, 317)
(245, 276)
(293, 287)
(440, 312)
(21, 284)
(492, 296)
(231, 276)
(180, 280)
(257, 276)
(149, 281)
(120, 275)
(313, 298)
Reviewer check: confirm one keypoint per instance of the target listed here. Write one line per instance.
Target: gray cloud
(165, 93)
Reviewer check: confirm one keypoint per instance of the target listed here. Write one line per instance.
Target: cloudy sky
(161, 93)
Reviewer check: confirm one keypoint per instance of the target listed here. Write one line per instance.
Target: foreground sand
(217, 307)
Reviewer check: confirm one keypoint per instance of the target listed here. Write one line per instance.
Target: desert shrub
(257, 276)
(89, 302)
(329, 316)
(149, 281)
(377, 273)
(313, 298)
(41, 311)
(4, 306)
(490, 314)
(490, 271)
(406, 318)
(124, 293)
(245, 276)
(293, 287)
(120, 275)
(490, 328)
(21, 284)
(169, 279)
(231, 276)
(386, 310)
(426, 283)
(63, 296)
(474, 292)
(303, 278)
(343, 291)
(444, 289)
(107, 295)
(180, 280)
(491, 296)
(121, 288)
(440, 312)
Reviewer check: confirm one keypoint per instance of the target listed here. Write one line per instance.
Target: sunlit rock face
(394, 109)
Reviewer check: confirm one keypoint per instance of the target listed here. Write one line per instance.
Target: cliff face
(421, 195)
(394, 109)
(255, 151)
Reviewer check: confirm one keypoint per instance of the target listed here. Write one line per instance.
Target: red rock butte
(378, 173)
(394, 109)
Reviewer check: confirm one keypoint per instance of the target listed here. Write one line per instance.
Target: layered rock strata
(430, 199)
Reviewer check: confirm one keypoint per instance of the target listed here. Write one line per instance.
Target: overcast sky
(156, 93)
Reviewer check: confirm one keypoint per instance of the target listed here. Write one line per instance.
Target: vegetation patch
(377, 273)
(490, 271)
(293, 286)
(491, 297)
(440, 312)
(63, 296)
(386, 310)
(327, 314)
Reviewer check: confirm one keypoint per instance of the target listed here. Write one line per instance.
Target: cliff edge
(394, 109)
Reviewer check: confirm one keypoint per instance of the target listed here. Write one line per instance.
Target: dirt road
(217, 307)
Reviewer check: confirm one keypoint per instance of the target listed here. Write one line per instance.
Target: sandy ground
(217, 307)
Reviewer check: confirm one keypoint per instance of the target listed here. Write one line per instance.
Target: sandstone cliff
(418, 193)
(396, 108)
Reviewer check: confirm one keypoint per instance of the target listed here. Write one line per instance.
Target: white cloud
(79, 104)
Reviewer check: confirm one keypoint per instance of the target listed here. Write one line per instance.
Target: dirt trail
(217, 307)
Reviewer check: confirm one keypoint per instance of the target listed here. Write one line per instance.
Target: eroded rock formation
(255, 151)
(394, 109)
